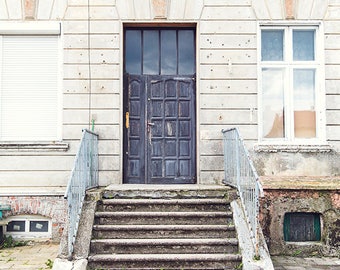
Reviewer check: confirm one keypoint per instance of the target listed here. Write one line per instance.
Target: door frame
(162, 25)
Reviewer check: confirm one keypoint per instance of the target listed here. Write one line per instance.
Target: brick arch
(53, 207)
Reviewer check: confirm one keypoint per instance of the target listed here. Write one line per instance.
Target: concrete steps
(165, 245)
(142, 217)
(167, 204)
(164, 229)
(167, 261)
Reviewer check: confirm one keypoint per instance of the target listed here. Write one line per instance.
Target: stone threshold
(147, 187)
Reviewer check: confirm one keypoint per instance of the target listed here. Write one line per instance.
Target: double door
(159, 132)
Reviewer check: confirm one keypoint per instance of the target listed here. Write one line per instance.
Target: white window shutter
(29, 88)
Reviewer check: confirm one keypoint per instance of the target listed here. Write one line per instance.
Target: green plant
(239, 267)
(296, 252)
(49, 264)
(257, 257)
(10, 242)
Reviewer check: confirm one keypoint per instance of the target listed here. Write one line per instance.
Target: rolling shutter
(29, 98)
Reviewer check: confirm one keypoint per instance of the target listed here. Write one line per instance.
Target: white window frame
(27, 234)
(289, 65)
(36, 29)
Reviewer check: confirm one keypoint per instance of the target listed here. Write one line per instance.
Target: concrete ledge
(8, 147)
(32, 191)
(246, 247)
(301, 182)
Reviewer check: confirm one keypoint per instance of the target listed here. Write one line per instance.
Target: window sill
(292, 148)
(34, 146)
(304, 243)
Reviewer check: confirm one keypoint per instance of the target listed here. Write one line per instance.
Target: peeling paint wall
(276, 203)
(291, 164)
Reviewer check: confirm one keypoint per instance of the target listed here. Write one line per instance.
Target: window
(302, 227)
(29, 83)
(28, 227)
(290, 78)
(160, 51)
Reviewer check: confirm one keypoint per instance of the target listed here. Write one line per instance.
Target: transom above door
(159, 106)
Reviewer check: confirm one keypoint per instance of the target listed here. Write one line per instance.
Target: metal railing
(241, 174)
(84, 176)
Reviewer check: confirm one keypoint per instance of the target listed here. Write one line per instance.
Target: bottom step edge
(164, 257)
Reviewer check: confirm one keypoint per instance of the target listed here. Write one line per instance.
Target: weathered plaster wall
(307, 160)
(30, 167)
(32, 9)
(297, 163)
(226, 72)
(276, 203)
(226, 80)
(92, 86)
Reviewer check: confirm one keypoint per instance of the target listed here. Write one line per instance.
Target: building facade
(158, 80)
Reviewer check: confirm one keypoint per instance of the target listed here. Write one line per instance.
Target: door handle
(127, 118)
(149, 124)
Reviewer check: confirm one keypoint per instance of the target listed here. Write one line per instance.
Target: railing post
(238, 163)
(257, 213)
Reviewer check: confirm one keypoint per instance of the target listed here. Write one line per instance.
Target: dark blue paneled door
(134, 129)
(160, 137)
(171, 130)
(159, 107)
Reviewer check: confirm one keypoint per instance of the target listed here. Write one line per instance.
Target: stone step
(169, 192)
(162, 205)
(164, 261)
(118, 218)
(163, 231)
(166, 246)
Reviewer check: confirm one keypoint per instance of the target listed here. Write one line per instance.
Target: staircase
(188, 228)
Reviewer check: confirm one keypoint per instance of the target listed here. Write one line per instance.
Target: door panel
(134, 141)
(171, 123)
(160, 130)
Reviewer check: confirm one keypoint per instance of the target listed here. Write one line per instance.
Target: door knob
(150, 125)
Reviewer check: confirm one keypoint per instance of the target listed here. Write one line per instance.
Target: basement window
(28, 227)
(302, 227)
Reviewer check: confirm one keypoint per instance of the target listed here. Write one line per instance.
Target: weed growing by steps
(10, 242)
(239, 267)
(49, 264)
